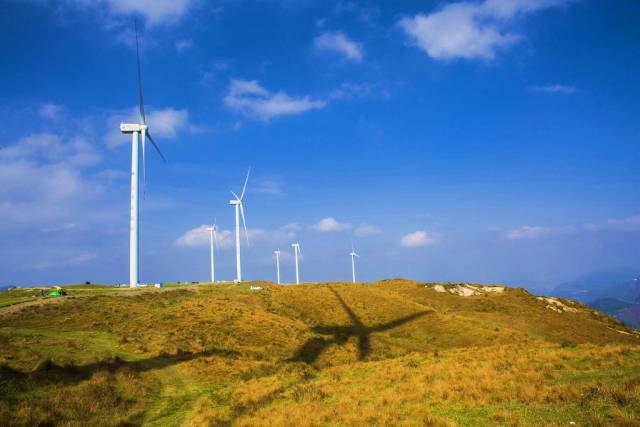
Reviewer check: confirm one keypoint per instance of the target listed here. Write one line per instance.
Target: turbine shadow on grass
(50, 372)
(313, 347)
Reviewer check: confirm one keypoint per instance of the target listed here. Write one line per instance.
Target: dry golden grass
(392, 353)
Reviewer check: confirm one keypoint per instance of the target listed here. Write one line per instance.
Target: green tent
(55, 294)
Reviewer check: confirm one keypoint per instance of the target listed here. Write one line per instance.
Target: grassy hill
(390, 353)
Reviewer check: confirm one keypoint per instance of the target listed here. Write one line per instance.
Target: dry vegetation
(391, 353)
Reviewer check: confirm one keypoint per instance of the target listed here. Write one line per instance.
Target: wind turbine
(237, 202)
(213, 242)
(136, 129)
(277, 253)
(353, 264)
(296, 252)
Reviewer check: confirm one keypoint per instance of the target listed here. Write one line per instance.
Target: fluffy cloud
(253, 100)
(338, 42)
(367, 230)
(50, 111)
(199, 236)
(48, 148)
(272, 186)
(629, 224)
(330, 224)
(624, 225)
(555, 88)
(470, 30)
(165, 123)
(417, 239)
(41, 178)
(183, 44)
(155, 12)
(527, 232)
(72, 261)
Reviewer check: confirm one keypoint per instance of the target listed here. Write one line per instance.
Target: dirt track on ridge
(16, 308)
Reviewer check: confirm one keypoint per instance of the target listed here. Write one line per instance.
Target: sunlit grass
(223, 354)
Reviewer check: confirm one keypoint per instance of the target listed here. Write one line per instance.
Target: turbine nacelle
(235, 202)
(132, 127)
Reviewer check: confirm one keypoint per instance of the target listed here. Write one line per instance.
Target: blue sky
(484, 141)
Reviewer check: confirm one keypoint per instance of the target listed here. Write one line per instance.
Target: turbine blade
(144, 166)
(244, 187)
(244, 223)
(235, 195)
(155, 145)
(140, 97)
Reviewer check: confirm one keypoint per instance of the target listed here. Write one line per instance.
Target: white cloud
(350, 91)
(528, 232)
(622, 225)
(165, 123)
(50, 111)
(112, 174)
(47, 147)
(41, 178)
(338, 42)
(330, 224)
(199, 236)
(555, 88)
(73, 261)
(470, 30)
(367, 230)
(253, 100)
(183, 44)
(628, 224)
(417, 239)
(273, 186)
(168, 121)
(155, 12)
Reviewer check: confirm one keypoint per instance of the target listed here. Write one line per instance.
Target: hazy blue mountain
(616, 293)
(621, 284)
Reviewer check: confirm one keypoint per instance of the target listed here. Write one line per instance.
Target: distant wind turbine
(213, 242)
(237, 202)
(296, 252)
(136, 129)
(277, 253)
(353, 264)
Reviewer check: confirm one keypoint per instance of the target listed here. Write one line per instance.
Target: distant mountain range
(615, 293)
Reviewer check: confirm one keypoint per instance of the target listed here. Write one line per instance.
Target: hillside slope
(388, 353)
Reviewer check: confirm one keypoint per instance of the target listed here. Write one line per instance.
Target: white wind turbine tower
(213, 241)
(277, 253)
(136, 129)
(353, 264)
(237, 202)
(296, 252)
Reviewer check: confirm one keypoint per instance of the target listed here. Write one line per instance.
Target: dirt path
(15, 308)
(175, 404)
(38, 301)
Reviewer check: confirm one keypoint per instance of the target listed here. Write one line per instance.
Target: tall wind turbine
(353, 264)
(277, 253)
(237, 202)
(296, 252)
(136, 129)
(213, 242)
